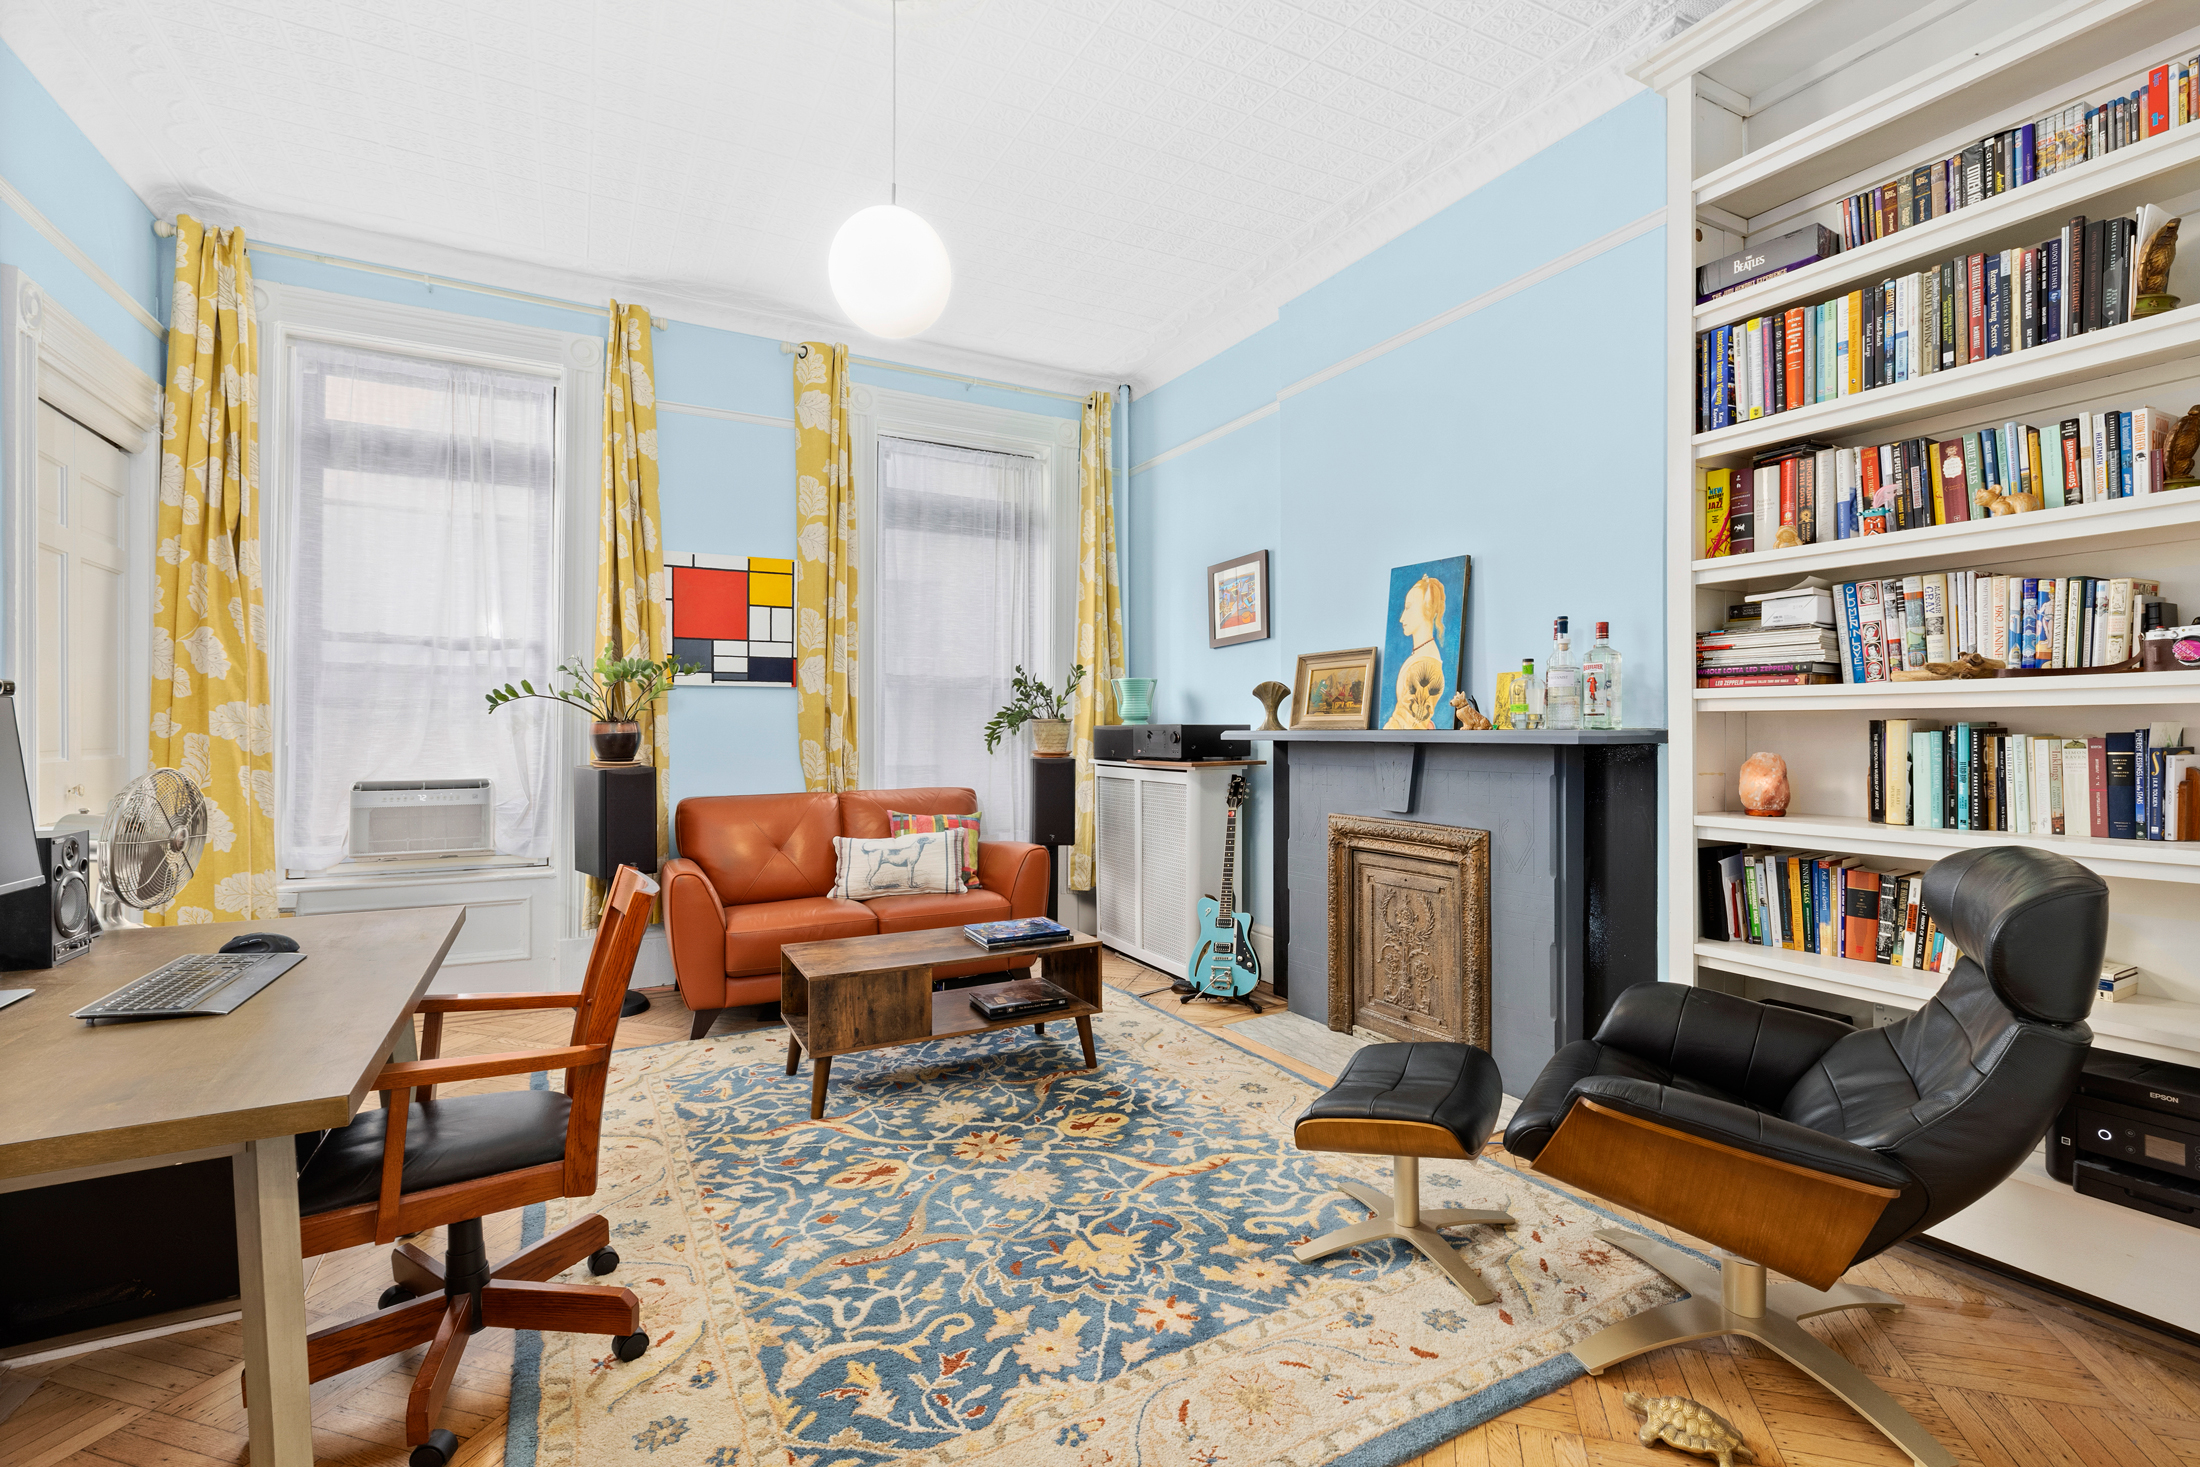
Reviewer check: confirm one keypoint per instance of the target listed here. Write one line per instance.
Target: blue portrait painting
(1421, 643)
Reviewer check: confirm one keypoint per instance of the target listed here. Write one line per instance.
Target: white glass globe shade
(889, 271)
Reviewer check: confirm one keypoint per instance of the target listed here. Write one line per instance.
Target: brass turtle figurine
(1688, 1425)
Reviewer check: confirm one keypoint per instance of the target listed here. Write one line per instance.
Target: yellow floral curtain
(824, 571)
(630, 555)
(212, 713)
(1099, 612)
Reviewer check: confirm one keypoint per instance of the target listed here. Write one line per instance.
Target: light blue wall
(62, 176)
(1527, 434)
(725, 487)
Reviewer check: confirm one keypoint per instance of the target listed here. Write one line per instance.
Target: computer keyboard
(198, 983)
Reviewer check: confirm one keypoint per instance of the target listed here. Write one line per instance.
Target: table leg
(278, 1407)
(821, 1068)
(1084, 1037)
(794, 1053)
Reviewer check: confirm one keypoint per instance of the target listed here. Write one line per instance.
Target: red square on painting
(710, 604)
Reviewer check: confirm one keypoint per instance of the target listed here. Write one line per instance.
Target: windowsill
(356, 873)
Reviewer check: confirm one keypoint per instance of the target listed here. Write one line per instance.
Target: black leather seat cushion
(1455, 1086)
(446, 1141)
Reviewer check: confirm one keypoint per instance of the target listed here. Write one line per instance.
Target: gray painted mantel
(1572, 817)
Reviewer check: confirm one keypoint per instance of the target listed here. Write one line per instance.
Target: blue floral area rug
(985, 1255)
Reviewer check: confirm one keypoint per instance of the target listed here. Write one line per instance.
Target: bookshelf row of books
(1808, 493)
(1813, 902)
(2165, 99)
(2141, 785)
(1871, 631)
(1967, 309)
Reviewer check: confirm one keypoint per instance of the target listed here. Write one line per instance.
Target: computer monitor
(19, 864)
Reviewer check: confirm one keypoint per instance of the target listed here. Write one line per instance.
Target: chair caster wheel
(602, 1261)
(436, 1450)
(393, 1296)
(626, 1347)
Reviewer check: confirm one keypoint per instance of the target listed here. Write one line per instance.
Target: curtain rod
(166, 230)
(802, 349)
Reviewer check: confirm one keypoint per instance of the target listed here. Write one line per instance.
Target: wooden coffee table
(856, 993)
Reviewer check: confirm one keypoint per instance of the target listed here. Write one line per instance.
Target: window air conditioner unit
(405, 819)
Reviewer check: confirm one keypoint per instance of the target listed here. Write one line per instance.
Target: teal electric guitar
(1225, 966)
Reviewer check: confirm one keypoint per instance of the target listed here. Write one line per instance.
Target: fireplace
(1409, 930)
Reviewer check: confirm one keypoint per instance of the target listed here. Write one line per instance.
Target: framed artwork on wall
(733, 617)
(1237, 600)
(1421, 641)
(1331, 688)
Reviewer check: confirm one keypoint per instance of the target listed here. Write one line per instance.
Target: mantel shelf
(2116, 524)
(2149, 1025)
(1453, 735)
(2150, 860)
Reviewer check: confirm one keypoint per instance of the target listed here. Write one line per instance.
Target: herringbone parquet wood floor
(2004, 1376)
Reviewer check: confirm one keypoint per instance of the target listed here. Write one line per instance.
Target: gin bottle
(1600, 682)
(1561, 682)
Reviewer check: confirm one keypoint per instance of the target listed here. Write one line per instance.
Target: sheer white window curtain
(961, 584)
(420, 571)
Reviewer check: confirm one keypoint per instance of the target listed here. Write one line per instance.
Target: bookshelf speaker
(1053, 802)
(44, 926)
(614, 819)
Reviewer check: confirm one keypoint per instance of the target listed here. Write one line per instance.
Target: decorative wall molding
(1549, 269)
(699, 411)
(13, 199)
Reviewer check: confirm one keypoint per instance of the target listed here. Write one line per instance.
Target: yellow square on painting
(760, 565)
(772, 589)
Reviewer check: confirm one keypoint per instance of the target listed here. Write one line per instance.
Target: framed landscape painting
(1237, 600)
(1427, 623)
(1331, 689)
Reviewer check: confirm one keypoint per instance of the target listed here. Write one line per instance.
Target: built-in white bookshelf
(1776, 110)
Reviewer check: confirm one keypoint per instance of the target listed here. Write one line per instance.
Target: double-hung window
(420, 537)
(960, 602)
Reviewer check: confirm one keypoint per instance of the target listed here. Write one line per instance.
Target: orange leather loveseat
(753, 874)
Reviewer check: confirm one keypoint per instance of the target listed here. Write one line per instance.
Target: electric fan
(151, 839)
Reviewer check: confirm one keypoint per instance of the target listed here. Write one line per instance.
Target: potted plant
(1033, 702)
(613, 694)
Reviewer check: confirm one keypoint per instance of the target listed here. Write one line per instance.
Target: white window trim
(289, 313)
(47, 354)
(876, 412)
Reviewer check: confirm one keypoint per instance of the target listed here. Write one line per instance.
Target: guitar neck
(1229, 866)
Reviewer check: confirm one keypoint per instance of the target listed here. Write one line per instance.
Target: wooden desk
(80, 1100)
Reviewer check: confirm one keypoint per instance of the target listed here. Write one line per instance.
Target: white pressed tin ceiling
(1125, 186)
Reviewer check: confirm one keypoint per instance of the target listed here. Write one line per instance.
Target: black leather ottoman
(1407, 1101)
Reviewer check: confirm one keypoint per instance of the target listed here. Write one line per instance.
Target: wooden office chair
(420, 1163)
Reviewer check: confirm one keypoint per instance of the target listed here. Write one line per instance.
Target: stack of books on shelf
(1967, 309)
(2118, 980)
(2164, 100)
(1813, 902)
(1773, 640)
(1904, 623)
(1807, 493)
(2140, 785)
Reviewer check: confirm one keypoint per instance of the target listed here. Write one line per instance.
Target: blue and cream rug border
(1226, 1201)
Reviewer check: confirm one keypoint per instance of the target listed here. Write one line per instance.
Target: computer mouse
(260, 942)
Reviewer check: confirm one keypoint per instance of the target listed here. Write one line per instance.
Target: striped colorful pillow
(901, 823)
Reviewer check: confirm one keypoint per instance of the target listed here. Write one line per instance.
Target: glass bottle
(1600, 682)
(1528, 697)
(1561, 682)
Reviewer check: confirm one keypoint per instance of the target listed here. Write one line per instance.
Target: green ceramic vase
(1134, 699)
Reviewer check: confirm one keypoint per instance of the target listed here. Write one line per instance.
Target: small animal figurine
(1688, 1425)
(1787, 538)
(1270, 694)
(1465, 714)
(2184, 443)
(1966, 665)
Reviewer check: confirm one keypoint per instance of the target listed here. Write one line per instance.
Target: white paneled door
(83, 547)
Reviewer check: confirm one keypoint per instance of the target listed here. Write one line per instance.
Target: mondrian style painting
(733, 617)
